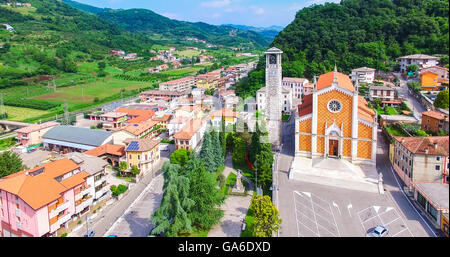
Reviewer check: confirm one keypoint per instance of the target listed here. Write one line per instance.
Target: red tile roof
(36, 127)
(116, 150)
(306, 107)
(189, 129)
(436, 115)
(418, 145)
(326, 79)
(140, 115)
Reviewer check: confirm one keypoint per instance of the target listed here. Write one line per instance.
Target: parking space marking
(386, 216)
(315, 214)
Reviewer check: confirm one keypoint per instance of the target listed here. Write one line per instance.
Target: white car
(378, 231)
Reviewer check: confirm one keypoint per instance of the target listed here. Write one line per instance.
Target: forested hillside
(146, 21)
(358, 33)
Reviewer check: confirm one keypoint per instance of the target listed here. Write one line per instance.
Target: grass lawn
(20, 114)
(188, 53)
(249, 220)
(395, 131)
(85, 93)
(196, 233)
(7, 143)
(392, 111)
(182, 72)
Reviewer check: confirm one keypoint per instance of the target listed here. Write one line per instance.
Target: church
(335, 122)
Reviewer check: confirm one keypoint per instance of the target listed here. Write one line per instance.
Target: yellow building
(429, 81)
(208, 83)
(334, 121)
(228, 114)
(143, 153)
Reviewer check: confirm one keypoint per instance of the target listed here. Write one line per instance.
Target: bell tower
(274, 95)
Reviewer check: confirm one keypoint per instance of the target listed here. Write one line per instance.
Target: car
(90, 233)
(378, 231)
(112, 236)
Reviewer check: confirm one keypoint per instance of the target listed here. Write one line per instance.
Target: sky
(259, 13)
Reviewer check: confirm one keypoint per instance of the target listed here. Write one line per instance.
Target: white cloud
(216, 3)
(257, 10)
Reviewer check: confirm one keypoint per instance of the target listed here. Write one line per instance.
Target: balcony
(82, 193)
(100, 181)
(100, 192)
(58, 209)
(17, 212)
(87, 202)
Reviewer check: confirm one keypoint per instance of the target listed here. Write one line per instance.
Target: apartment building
(296, 85)
(381, 92)
(421, 60)
(143, 153)
(39, 201)
(190, 135)
(362, 75)
(178, 85)
(32, 135)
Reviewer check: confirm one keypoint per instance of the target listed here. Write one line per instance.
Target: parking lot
(314, 216)
(386, 216)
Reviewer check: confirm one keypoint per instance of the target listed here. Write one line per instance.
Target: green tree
(240, 149)
(255, 146)
(180, 156)
(442, 100)
(412, 68)
(172, 218)
(101, 65)
(217, 150)
(206, 211)
(267, 218)
(421, 133)
(264, 162)
(223, 139)
(230, 142)
(123, 166)
(135, 171)
(10, 162)
(207, 152)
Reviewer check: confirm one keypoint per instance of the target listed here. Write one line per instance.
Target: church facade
(335, 122)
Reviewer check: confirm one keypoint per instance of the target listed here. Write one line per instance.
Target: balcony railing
(80, 206)
(100, 181)
(58, 209)
(17, 212)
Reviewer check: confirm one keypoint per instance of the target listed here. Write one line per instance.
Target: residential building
(433, 199)
(136, 115)
(296, 85)
(32, 135)
(307, 89)
(112, 154)
(208, 75)
(421, 60)
(442, 72)
(74, 139)
(421, 159)
(430, 81)
(143, 153)
(190, 136)
(229, 116)
(113, 120)
(163, 120)
(176, 124)
(285, 99)
(189, 111)
(96, 167)
(334, 121)
(146, 129)
(207, 83)
(381, 92)
(435, 121)
(197, 93)
(158, 94)
(362, 75)
(130, 56)
(178, 85)
(39, 201)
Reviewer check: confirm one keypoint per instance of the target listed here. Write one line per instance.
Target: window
(432, 211)
(130, 157)
(438, 158)
(139, 157)
(437, 167)
(421, 200)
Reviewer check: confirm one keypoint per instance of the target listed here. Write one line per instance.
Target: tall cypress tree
(255, 146)
(217, 149)
(223, 140)
(207, 152)
(206, 212)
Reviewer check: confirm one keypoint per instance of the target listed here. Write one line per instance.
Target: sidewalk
(235, 208)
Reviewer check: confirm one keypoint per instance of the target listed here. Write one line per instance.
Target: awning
(68, 144)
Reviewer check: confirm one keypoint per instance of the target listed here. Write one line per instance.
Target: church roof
(306, 107)
(273, 50)
(343, 80)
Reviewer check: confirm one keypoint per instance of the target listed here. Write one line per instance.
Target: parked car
(90, 233)
(378, 231)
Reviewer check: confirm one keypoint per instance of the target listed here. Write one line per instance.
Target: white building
(285, 100)
(178, 85)
(362, 75)
(296, 84)
(197, 93)
(382, 92)
(420, 60)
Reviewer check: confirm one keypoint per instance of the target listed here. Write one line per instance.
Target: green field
(20, 114)
(188, 53)
(86, 93)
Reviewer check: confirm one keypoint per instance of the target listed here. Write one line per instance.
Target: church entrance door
(333, 148)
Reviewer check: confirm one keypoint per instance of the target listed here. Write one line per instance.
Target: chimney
(403, 140)
(435, 145)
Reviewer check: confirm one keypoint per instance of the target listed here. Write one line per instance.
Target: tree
(135, 171)
(255, 146)
(240, 148)
(377, 102)
(230, 142)
(264, 162)
(442, 100)
(10, 162)
(217, 150)
(421, 133)
(207, 153)
(267, 218)
(180, 156)
(412, 68)
(171, 218)
(123, 166)
(206, 211)
(101, 65)
(223, 139)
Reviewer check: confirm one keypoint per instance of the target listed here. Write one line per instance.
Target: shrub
(221, 178)
(121, 189)
(64, 235)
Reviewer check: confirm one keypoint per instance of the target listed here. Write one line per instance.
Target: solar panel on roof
(133, 146)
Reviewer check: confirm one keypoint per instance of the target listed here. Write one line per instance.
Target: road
(342, 212)
(141, 200)
(412, 102)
